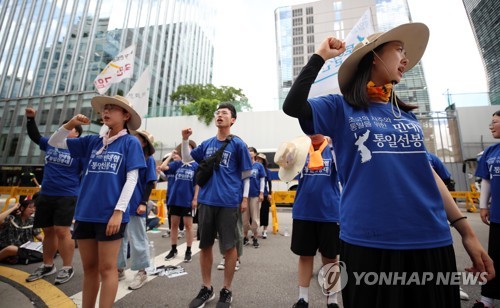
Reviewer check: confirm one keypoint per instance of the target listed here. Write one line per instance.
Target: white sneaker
(222, 265)
(463, 296)
(166, 234)
(180, 234)
(264, 234)
(139, 280)
(238, 265)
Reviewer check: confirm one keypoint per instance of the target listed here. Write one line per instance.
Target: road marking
(159, 260)
(49, 294)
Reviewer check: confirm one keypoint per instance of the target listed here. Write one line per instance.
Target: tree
(202, 100)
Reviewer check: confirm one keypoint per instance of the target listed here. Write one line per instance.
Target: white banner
(326, 82)
(139, 94)
(121, 67)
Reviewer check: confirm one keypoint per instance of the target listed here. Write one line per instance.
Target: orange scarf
(315, 158)
(382, 93)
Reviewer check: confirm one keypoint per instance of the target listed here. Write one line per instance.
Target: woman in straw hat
(135, 233)
(394, 208)
(113, 162)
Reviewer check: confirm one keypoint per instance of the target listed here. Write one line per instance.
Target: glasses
(110, 107)
(492, 124)
(221, 113)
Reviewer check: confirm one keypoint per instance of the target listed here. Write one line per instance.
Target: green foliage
(202, 100)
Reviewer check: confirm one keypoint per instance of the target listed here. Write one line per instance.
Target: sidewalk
(12, 297)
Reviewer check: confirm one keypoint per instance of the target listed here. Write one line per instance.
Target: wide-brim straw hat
(414, 37)
(149, 139)
(263, 157)
(192, 144)
(291, 157)
(98, 103)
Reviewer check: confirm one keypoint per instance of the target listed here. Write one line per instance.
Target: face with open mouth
(114, 116)
(495, 127)
(223, 118)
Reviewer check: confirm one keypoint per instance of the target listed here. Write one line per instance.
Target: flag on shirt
(121, 67)
(327, 82)
(139, 94)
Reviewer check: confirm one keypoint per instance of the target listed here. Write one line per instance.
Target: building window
(297, 22)
(310, 48)
(298, 31)
(298, 60)
(299, 40)
(296, 70)
(310, 20)
(310, 39)
(298, 50)
(310, 29)
(309, 10)
(297, 12)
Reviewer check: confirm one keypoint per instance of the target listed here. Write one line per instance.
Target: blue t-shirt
(318, 193)
(488, 167)
(61, 174)
(438, 166)
(183, 187)
(105, 174)
(390, 199)
(146, 175)
(224, 187)
(258, 172)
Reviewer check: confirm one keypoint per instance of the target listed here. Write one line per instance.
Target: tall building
(301, 28)
(51, 51)
(483, 17)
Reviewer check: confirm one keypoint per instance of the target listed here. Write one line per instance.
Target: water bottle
(285, 233)
(152, 255)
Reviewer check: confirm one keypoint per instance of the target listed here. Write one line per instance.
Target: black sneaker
(226, 297)
(301, 304)
(204, 296)
(64, 275)
(479, 305)
(171, 255)
(187, 257)
(245, 241)
(255, 243)
(332, 305)
(41, 272)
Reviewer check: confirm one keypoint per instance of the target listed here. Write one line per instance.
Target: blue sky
(246, 51)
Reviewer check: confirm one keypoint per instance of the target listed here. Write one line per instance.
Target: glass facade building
(301, 28)
(51, 52)
(483, 17)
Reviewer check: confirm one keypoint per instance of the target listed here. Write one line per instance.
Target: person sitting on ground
(16, 228)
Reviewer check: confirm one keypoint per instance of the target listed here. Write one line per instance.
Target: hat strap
(394, 102)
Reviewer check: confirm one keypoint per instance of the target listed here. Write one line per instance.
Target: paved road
(267, 277)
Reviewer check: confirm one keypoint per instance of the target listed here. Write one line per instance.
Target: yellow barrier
(280, 197)
(469, 197)
(14, 192)
(160, 195)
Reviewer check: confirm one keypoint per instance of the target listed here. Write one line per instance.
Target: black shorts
(218, 220)
(96, 231)
(373, 262)
(180, 211)
(54, 211)
(311, 236)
